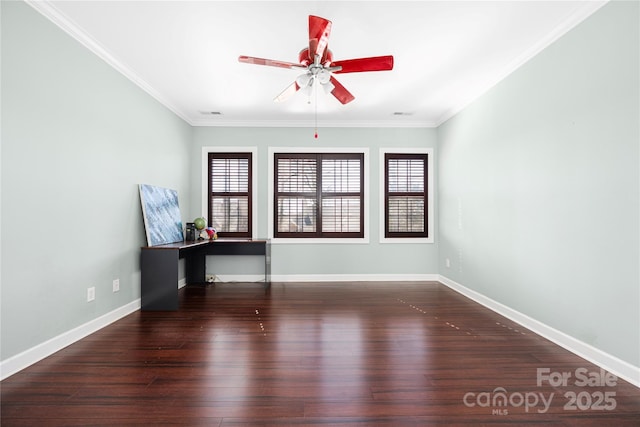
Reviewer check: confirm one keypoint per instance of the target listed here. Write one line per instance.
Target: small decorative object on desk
(213, 234)
(200, 224)
(190, 234)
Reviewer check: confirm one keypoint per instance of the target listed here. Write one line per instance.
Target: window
(318, 195)
(406, 198)
(230, 193)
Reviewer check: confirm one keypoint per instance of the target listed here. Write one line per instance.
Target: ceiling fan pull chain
(315, 135)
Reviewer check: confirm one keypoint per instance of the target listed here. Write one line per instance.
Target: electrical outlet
(91, 293)
(116, 285)
(447, 262)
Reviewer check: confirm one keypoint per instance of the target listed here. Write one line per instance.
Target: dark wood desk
(159, 266)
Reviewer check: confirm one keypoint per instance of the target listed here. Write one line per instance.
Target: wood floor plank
(313, 354)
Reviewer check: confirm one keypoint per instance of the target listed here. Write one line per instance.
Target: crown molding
(309, 123)
(49, 11)
(563, 28)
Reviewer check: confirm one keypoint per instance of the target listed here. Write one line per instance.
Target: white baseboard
(27, 358)
(616, 366)
(230, 278)
(355, 278)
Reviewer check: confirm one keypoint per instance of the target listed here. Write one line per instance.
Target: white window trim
(365, 187)
(254, 181)
(430, 198)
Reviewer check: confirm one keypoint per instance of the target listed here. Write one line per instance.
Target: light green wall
(77, 138)
(329, 259)
(539, 186)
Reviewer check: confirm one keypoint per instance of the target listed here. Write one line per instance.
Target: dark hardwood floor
(316, 354)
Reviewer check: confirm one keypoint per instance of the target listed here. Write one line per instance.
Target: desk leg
(267, 264)
(159, 284)
(195, 265)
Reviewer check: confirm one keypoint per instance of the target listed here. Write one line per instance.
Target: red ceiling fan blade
(269, 62)
(376, 63)
(340, 92)
(319, 31)
(287, 93)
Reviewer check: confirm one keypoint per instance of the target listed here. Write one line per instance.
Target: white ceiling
(185, 53)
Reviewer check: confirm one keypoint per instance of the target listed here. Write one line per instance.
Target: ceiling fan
(318, 62)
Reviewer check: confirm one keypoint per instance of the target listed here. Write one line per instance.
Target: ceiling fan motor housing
(305, 58)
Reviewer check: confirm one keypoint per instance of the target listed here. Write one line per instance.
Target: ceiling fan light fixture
(324, 76)
(328, 87)
(308, 91)
(304, 80)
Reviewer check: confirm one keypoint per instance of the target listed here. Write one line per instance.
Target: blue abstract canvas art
(161, 213)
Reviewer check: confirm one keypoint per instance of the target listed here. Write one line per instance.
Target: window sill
(407, 240)
(303, 241)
